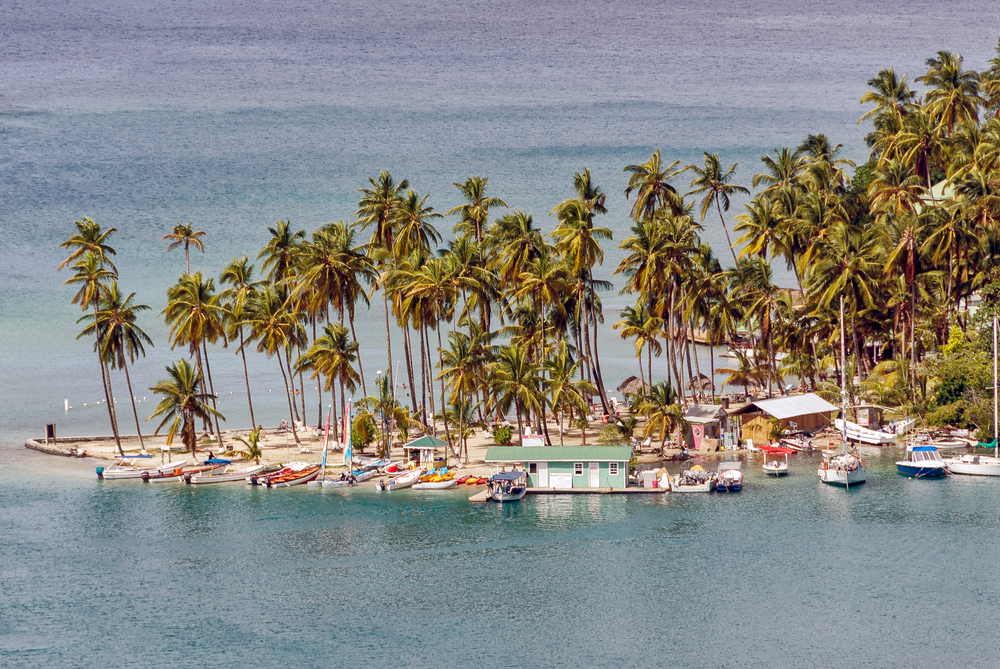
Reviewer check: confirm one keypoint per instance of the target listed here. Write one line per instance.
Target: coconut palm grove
(501, 318)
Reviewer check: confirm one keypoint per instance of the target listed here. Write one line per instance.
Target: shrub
(502, 435)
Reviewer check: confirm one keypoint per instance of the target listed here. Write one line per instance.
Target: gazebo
(422, 451)
(632, 386)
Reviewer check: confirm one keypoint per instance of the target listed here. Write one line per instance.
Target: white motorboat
(508, 486)
(227, 475)
(132, 467)
(855, 432)
(696, 479)
(922, 462)
(404, 480)
(776, 467)
(730, 476)
(974, 465)
(435, 485)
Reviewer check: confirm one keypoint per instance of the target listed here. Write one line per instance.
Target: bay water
(235, 115)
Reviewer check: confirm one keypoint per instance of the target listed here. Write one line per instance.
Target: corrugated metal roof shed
(790, 407)
(558, 453)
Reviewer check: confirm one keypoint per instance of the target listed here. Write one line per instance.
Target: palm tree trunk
(111, 410)
(409, 366)
(726, 230)
(246, 376)
(444, 409)
(333, 405)
(430, 383)
(288, 394)
(135, 413)
(672, 344)
(319, 383)
(423, 377)
(711, 353)
(520, 426)
(597, 359)
(361, 370)
(211, 389)
(388, 339)
(585, 336)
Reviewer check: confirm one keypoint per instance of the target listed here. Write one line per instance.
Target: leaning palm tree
(182, 404)
(122, 341)
(183, 234)
(711, 181)
(92, 278)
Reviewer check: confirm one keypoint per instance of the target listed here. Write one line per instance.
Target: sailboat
(982, 465)
(845, 468)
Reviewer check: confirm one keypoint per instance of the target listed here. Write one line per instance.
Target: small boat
(922, 462)
(778, 450)
(132, 467)
(177, 474)
(294, 478)
(435, 485)
(223, 475)
(796, 443)
(857, 433)
(696, 479)
(776, 467)
(844, 468)
(729, 477)
(403, 480)
(362, 475)
(508, 486)
(974, 465)
(262, 479)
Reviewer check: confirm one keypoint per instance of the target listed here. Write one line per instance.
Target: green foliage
(502, 435)
(363, 431)
(252, 451)
(611, 435)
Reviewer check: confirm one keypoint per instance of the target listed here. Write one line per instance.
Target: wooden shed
(808, 413)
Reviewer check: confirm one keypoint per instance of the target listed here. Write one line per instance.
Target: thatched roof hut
(632, 386)
(700, 382)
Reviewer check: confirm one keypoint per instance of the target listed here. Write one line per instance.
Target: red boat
(294, 478)
(778, 449)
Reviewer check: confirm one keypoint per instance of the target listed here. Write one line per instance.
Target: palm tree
(182, 404)
(639, 323)
(239, 275)
(715, 185)
(476, 210)
(89, 238)
(92, 277)
(651, 183)
(276, 328)
(195, 315)
(333, 355)
(953, 94)
(515, 382)
(252, 451)
(414, 231)
(280, 250)
(122, 341)
(460, 369)
(566, 391)
(890, 94)
(663, 413)
(184, 234)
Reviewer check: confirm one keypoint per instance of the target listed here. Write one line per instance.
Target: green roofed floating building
(566, 467)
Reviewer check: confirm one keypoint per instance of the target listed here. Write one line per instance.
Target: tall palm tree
(332, 356)
(280, 251)
(890, 94)
(182, 404)
(953, 93)
(567, 392)
(651, 183)
(239, 275)
(92, 277)
(711, 181)
(476, 210)
(184, 234)
(637, 322)
(277, 329)
(663, 413)
(122, 341)
(195, 314)
(514, 381)
(89, 238)
(460, 368)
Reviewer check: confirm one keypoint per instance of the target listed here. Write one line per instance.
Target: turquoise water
(787, 573)
(235, 115)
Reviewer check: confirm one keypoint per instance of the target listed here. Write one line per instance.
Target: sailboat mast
(843, 375)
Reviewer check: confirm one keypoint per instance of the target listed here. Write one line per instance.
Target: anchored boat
(922, 462)
(508, 486)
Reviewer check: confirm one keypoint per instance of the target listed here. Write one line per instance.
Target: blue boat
(922, 462)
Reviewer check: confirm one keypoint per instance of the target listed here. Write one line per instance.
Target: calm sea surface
(235, 115)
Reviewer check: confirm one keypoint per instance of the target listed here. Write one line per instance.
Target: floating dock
(483, 495)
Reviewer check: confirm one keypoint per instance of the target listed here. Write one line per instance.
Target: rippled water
(787, 573)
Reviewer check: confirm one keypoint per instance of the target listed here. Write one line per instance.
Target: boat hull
(776, 471)
(229, 477)
(513, 495)
(304, 477)
(436, 485)
(972, 465)
(915, 470)
(841, 477)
